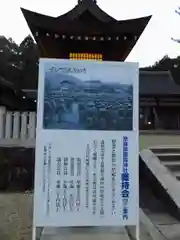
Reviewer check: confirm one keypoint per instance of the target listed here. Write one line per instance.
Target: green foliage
(19, 63)
(30, 55)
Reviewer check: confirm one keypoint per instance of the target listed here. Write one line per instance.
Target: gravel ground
(15, 216)
(146, 141)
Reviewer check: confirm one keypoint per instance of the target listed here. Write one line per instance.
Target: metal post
(2, 122)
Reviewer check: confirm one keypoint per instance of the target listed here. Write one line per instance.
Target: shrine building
(88, 33)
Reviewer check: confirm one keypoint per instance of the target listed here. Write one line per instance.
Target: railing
(16, 127)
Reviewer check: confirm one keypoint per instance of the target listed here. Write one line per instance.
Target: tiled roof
(157, 83)
(6, 84)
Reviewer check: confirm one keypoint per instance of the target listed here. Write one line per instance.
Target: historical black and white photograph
(80, 104)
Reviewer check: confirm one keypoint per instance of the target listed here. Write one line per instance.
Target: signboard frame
(135, 121)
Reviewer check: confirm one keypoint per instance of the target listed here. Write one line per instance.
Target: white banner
(86, 171)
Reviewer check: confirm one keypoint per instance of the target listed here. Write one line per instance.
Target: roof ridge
(154, 72)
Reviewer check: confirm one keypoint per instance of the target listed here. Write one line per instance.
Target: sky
(154, 43)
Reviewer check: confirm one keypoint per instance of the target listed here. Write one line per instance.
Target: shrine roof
(7, 85)
(80, 16)
(157, 83)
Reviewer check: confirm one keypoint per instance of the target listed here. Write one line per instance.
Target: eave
(65, 24)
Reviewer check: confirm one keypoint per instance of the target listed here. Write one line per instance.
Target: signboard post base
(138, 232)
(34, 233)
(80, 233)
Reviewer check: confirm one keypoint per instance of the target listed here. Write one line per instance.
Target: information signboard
(86, 171)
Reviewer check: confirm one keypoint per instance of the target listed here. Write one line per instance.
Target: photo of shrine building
(74, 103)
